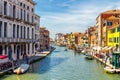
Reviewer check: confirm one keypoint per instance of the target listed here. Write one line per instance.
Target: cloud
(50, 0)
(77, 17)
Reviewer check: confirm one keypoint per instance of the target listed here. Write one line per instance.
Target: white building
(17, 28)
(37, 32)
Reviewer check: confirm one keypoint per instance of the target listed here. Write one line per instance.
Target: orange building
(92, 36)
(100, 24)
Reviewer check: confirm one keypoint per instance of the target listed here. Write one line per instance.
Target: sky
(66, 16)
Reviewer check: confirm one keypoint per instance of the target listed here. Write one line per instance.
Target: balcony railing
(18, 40)
(8, 17)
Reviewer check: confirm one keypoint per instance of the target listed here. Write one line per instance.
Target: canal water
(64, 65)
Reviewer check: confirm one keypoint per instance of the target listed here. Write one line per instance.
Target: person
(107, 54)
(116, 47)
(27, 61)
(24, 55)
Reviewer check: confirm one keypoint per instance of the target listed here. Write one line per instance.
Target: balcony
(16, 40)
(8, 17)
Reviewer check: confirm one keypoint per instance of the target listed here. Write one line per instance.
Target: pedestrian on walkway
(27, 60)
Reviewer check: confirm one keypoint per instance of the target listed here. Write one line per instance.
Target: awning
(97, 48)
(104, 47)
(109, 48)
(3, 57)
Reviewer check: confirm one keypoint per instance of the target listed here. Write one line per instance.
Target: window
(109, 23)
(21, 14)
(28, 48)
(17, 31)
(1, 49)
(113, 30)
(117, 40)
(14, 11)
(24, 6)
(32, 19)
(118, 29)
(27, 7)
(21, 32)
(32, 48)
(32, 33)
(104, 24)
(14, 30)
(32, 10)
(110, 39)
(5, 8)
(28, 17)
(24, 48)
(21, 49)
(5, 49)
(0, 28)
(5, 29)
(114, 39)
(28, 32)
(24, 15)
(24, 32)
(21, 4)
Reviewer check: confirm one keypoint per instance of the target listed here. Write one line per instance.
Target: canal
(64, 65)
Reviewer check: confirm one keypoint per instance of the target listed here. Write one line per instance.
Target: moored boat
(89, 57)
(22, 69)
(109, 70)
(6, 65)
(65, 50)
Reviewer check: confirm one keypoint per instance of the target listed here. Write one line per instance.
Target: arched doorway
(1, 50)
(10, 53)
(18, 52)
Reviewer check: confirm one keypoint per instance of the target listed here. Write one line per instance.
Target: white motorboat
(109, 69)
(22, 69)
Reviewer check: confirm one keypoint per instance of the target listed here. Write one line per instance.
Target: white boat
(109, 69)
(22, 69)
(83, 51)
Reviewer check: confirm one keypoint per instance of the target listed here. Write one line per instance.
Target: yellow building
(113, 31)
(101, 27)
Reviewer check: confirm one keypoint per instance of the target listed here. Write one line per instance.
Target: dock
(117, 70)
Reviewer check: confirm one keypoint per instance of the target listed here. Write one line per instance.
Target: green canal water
(64, 65)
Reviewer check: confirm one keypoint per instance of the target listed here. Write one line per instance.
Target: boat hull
(22, 69)
(109, 70)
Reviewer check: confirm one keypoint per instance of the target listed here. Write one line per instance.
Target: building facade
(17, 28)
(101, 29)
(113, 31)
(92, 36)
(44, 39)
(57, 38)
(37, 33)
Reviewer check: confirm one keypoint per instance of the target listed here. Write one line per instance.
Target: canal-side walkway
(38, 56)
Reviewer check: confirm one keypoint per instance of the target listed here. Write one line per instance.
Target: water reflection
(48, 64)
(65, 65)
(76, 53)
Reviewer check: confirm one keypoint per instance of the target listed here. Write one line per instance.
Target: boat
(89, 57)
(65, 50)
(6, 65)
(79, 51)
(21, 69)
(109, 69)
